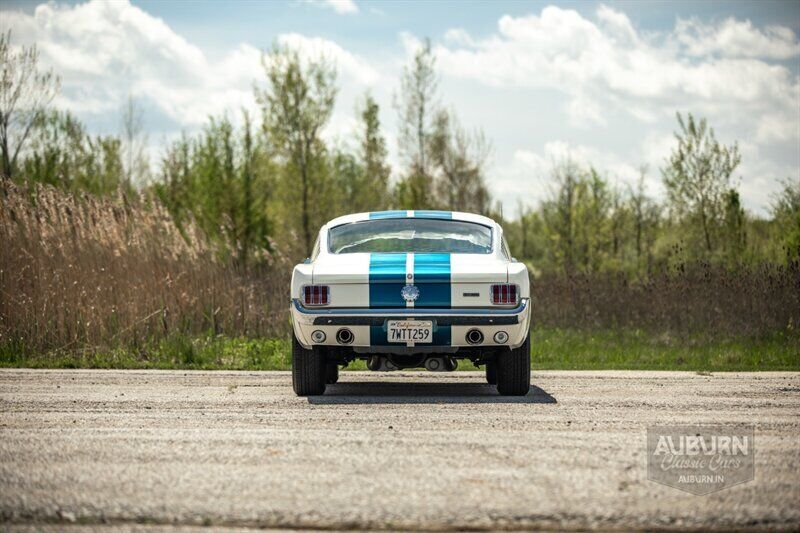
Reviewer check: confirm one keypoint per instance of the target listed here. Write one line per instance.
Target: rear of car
(410, 289)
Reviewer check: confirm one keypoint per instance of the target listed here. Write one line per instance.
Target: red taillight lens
(505, 294)
(316, 295)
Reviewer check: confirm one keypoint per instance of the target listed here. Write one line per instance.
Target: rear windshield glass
(411, 235)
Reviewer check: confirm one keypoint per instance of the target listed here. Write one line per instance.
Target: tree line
(263, 184)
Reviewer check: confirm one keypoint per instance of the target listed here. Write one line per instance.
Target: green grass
(550, 349)
(638, 350)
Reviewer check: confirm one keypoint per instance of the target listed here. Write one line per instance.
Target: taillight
(504, 294)
(316, 295)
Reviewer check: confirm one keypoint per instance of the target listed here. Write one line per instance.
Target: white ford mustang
(410, 289)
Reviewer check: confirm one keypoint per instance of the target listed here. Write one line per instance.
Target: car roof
(431, 214)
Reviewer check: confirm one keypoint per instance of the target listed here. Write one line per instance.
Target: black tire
(308, 370)
(491, 373)
(332, 373)
(514, 370)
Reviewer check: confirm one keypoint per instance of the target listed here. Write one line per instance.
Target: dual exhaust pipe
(474, 336)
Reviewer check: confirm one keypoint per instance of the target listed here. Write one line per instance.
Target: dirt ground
(401, 450)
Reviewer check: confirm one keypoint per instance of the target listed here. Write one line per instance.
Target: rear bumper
(450, 325)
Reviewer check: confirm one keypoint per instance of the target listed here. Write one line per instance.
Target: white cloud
(775, 127)
(630, 72)
(736, 38)
(458, 36)
(583, 111)
(105, 51)
(340, 6)
(348, 64)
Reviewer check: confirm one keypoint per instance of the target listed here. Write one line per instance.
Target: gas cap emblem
(410, 293)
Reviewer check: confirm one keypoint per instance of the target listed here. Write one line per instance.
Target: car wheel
(332, 373)
(308, 369)
(491, 373)
(514, 370)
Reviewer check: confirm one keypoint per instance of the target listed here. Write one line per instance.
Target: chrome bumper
(514, 321)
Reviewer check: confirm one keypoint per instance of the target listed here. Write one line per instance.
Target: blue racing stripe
(433, 214)
(388, 214)
(387, 276)
(432, 276)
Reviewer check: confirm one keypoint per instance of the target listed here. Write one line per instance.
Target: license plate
(409, 331)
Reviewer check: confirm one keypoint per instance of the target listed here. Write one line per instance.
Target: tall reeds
(77, 271)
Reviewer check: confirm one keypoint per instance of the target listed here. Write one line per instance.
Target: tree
(373, 155)
(786, 213)
(645, 215)
(528, 239)
(221, 179)
(416, 105)
(734, 238)
(578, 219)
(459, 159)
(25, 93)
(558, 214)
(698, 178)
(173, 189)
(134, 144)
(353, 187)
(296, 104)
(61, 153)
(618, 224)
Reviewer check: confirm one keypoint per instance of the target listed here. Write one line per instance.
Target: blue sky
(596, 82)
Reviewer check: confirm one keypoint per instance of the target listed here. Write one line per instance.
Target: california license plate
(409, 331)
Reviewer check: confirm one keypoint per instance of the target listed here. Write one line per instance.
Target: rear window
(416, 235)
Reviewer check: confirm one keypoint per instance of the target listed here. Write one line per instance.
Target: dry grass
(77, 271)
(698, 298)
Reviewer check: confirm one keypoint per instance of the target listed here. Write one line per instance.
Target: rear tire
(514, 370)
(308, 369)
(331, 373)
(491, 373)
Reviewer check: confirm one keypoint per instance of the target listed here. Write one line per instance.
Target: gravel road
(402, 450)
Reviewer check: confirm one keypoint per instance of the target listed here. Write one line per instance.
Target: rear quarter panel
(518, 273)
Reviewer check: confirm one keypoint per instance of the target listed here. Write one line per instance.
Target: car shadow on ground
(398, 392)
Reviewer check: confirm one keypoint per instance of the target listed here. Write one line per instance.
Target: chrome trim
(416, 311)
(463, 320)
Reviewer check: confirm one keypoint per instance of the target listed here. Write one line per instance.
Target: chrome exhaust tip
(344, 336)
(474, 336)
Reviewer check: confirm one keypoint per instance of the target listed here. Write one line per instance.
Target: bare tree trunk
(305, 215)
(6, 158)
(706, 232)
